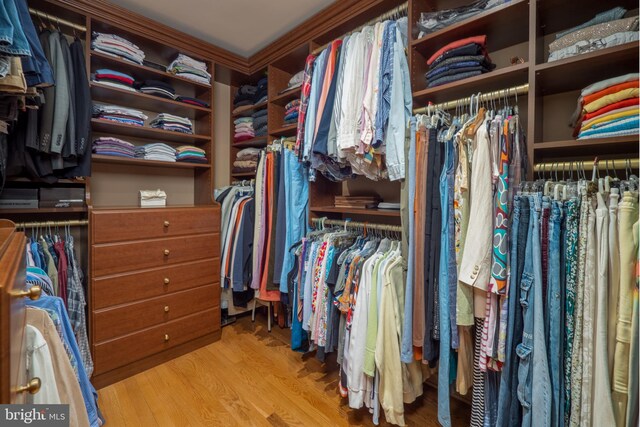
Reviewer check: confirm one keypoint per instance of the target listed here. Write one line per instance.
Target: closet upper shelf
(142, 162)
(114, 128)
(102, 60)
(286, 97)
(249, 109)
(288, 130)
(43, 211)
(580, 71)
(354, 211)
(587, 147)
(257, 142)
(142, 101)
(504, 25)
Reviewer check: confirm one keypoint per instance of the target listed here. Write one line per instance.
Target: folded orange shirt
(481, 40)
(608, 91)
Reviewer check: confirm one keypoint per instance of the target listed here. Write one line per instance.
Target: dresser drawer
(114, 258)
(123, 351)
(137, 224)
(115, 322)
(142, 285)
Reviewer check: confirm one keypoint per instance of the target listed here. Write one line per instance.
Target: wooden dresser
(155, 287)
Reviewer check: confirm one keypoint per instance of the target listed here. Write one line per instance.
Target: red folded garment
(608, 91)
(620, 104)
(243, 138)
(115, 77)
(481, 40)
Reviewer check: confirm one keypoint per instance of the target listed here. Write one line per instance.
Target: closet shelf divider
(257, 142)
(286, 97)
(372, 211)
(288, 130)
(115, 128)
(244, 111)
(153, 163)
(587, 147)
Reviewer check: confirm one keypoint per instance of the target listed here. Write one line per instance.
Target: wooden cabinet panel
(136, 224)
(142, 285)
(115, 322)
(117, 258)
(122, 351)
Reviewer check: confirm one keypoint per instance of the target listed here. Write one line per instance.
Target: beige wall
(221, 134)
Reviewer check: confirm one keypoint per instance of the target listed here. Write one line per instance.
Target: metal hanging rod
(354, 224)
(70, 223)
(396, 11)
(602, 164)
(57, 20)
(489, 96)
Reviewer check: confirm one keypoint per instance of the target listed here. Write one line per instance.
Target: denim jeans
(555, 314)
(535, 396)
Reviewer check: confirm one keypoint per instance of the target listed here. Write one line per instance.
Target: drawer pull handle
(32, 387)
(166, 224)
(166, 308)
(166, 337)
(166, 252)
(33, 293)
(166, 280)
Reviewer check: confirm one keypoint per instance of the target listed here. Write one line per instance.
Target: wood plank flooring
(249, 378)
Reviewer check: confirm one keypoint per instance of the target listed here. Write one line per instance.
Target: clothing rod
(403, 8)
(321, 221)
(57, 20)
(70, 223)
(602, 164)
(489, 96)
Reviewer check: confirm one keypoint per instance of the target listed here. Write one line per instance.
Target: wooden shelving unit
(115, 128)
(142, 162)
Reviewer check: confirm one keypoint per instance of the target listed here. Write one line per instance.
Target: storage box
(61, 197)
(19, 198)
(152, 198)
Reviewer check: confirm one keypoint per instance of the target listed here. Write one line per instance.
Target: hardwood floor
(249, 378)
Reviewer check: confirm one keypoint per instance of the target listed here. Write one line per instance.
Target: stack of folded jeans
(114, 78)
(173, 123)
(156, 151)
(190, 154)
(260, 122)
(113, 45)
(157, 88)
(608, 108)
(606, 29)
(114, 113)
(246, 160)
(243, 129)
(261, 91)
(291, 112)
(459, 60)
(245, 96)
(434, 21)
(109, 146)
(191, 69)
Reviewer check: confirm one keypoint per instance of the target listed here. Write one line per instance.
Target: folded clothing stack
(459, 60)
(606, 29)
(261, 91)
(156, 88)
(127, 116)
(243, 129)
(245, 96)
(109, 146)
(294, 82)
(189, 68)
(260, 122)
(156, 151)
(114, 78)
(173, 123)
(193, 101)
(246, 160)
(113, 45)
(190, 154)
(291, 112)
(433, 21)
(608, 108)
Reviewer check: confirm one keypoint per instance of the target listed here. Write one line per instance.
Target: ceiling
(241, 26)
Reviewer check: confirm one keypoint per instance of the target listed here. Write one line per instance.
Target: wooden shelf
(288, 130)
(257, 142)
(498, 79)
(504, 25)
(115, 128)
(241, 174)
(142, 101)
(285, 98)
(580, 71)
(43, 210)
(247, 110)
(588, 147)
(354, 211)
(142, 162)
(139, 72)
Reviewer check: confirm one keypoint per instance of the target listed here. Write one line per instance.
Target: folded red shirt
(481, 40)
(115, 77)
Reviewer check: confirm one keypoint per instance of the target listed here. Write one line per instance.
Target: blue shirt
(385, 77)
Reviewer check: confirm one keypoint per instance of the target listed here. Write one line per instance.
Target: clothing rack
(57, 20)
(395, 13)
(602, 164)
(483, 97)
(68, 223)
(364, 225)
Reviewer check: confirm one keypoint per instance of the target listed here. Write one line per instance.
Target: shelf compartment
(257, 142)
(501, 78)
(247, 110)
(588, 147)
(504, 25)
(243, 174)
(142, 101)
(580, 71)
(288, 130)
(354, 211)
(142, 162)
(101, 60)
(115, 128)
(286, 97)
(43, 211)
